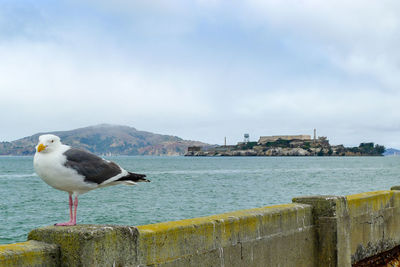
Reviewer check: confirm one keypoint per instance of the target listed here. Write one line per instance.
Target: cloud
(358, 37)
(45, 72)
(203, 69)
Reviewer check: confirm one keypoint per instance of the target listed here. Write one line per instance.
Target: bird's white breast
(50, 167)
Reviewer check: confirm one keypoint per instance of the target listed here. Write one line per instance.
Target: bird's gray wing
(93, 168)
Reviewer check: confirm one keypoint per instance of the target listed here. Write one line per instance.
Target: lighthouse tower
(315, 135)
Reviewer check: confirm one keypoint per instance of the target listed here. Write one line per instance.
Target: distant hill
(392, 152)
(105, 139)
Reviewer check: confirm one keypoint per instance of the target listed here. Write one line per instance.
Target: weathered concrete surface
(255, 237)
(266, 236)
(332, 221)
(375, 226)
(355, 227)
(29, 254)
(91, 245)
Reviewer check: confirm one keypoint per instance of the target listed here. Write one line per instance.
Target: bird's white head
(48, 143)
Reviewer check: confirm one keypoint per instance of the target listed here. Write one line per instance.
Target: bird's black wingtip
(144, 180)
(134, 177)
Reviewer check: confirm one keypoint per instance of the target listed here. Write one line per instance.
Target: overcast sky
(203, 69)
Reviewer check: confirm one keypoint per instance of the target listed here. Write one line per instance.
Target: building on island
(265, 139)
(194, 149)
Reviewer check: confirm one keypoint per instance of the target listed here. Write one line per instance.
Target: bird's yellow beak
(41, 147)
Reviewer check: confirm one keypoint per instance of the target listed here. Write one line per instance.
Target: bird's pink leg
(75, 209)
(70, 207)
(72, 217)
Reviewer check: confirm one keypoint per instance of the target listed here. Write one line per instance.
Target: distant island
(287, 145)
(106, 139)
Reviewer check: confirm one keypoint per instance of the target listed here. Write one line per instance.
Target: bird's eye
(52, 141)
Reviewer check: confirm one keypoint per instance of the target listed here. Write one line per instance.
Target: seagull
(77, 171)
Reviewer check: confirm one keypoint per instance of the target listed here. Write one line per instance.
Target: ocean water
(185, 187)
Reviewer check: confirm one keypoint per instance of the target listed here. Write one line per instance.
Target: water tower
(246, 138)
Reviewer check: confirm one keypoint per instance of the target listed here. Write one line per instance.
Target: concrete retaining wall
(375, 223)
(30, 253)
(256, 237)
(313, 231)
(252, 237)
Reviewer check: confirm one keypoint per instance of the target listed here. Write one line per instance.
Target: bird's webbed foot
(65, 224)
